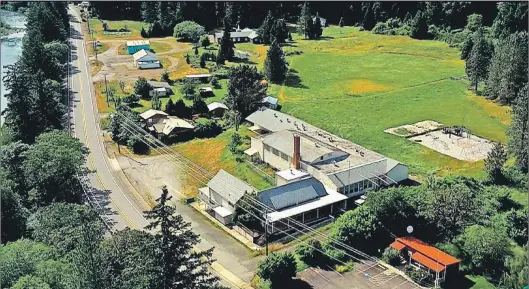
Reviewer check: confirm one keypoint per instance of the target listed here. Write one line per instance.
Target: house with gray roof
(285, 142)
(239, 36)
(221, 195)
(306, 201)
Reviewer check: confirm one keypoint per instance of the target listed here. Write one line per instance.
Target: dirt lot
(464, 148)
(121, 67)
(414, 129)
(363, 277)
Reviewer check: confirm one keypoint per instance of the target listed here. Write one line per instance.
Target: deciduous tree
(477, 64)
(279, 268)
(142, 87)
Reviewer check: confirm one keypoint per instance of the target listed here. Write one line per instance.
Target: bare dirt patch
(466, 148)
(414, 129)
(360, 86)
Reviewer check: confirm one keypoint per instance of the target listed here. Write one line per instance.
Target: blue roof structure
(270, 99)
(292, 194)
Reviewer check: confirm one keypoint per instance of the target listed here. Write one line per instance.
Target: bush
(136, 145)
(188, 31)
(188, 89)
(215, 82)
(391, 256)
(206, 128)
(348, 267)
(259, 283)
(415, 274)
(311, 252)
(392, 26)
(279, 268)
(165, 77)
(234, 143)
(204, 40)
(130, 99)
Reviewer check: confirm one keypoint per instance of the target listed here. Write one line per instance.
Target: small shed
(144, 59)
(242, 55)
(205, 91)
(137, 45)
(217, 109)
(160, 92)
(323, 21)
(270, 102)
(199, 77)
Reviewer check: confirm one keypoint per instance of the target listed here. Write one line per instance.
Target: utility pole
(106, 89)
(266, 231)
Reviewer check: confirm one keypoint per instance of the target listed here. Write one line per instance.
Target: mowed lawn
(213, 154)
(356, 84)
(133, 26)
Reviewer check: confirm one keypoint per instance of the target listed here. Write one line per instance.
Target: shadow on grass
(461, 282)
(293, 80)
(245, 61)
(135, 105)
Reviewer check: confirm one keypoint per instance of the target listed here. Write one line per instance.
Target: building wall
(136, 48)
(258, 145)
(146, 65)
(398, 173)
(218, 199)
(275, 160)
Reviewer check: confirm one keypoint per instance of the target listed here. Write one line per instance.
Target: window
(267, 147)
(284, 156)
(275, 152)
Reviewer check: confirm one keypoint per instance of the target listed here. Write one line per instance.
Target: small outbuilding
(217, 109)
(270, 102)
(242, 55)
(199, 77)
(160, 92)
(137, 45)
(206, 91)
(144, 59)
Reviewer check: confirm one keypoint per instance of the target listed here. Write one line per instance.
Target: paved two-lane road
(120, 208)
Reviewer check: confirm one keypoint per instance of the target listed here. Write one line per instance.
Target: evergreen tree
(142, 87)
(13, 214)
(419, 26)
(467, 47)
(279, 31)
(143, 33)
(169, 107)
(477, 64)
(156, 103)
(518, 132)
(305, 23)
(149, 11)
(87, 257)
(369, 17)
(511, 18)
(226, 46)
(266, 28)
(199, 106)
(318, 30)
(177, 264)
(48, 19)
(494, 163)
(508, 69)
(275, 65)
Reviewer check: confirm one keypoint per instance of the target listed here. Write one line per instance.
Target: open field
(134, 26)
(213, 154)
(356, 84)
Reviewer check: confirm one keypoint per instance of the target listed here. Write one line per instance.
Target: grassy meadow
(357, 84)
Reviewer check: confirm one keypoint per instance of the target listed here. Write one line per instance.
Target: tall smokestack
(296, 157)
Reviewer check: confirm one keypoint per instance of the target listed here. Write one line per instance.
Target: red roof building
(426, 257)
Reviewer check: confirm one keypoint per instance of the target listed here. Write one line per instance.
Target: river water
(10, 47)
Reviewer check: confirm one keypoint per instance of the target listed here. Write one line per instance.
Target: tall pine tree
(305, 23)
(179, 265)
(318, 30)
(518, 132)
(226, 46)
(477, 64)
(275, 65)
(266, 28)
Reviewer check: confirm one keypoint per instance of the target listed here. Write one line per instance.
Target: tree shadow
(297, 284)
(244, 61)
(460, 281)
(324, 38)
(135, 105)
(289, 44)
(293, 80)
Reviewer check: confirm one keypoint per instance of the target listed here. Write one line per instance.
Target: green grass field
(357, 84)
(134, 26)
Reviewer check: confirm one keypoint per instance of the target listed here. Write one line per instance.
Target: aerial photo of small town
(264, 145)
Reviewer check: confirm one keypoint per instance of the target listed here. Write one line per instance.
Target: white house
(286, 142)
(222, 194)
(172, 125)
(144, 59)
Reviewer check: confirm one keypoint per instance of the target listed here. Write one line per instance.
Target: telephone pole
(106, 89)
(266, 231)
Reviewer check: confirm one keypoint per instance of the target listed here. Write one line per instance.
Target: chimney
(296, 157)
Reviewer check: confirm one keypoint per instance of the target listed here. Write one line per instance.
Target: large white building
(285, 142)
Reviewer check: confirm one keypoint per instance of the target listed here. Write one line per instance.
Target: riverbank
(6, 29)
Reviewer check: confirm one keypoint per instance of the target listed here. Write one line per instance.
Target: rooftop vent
(334, 163)
(275, 114)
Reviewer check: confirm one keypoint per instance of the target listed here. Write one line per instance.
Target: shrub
(259, 283)
(136, 145)
(165, 76)
(414, 273)
(204, 41)
(206, 128)
(143, 33)
(348, 267)
(391, 256)
(215, 82)
(130, 99)
(188, 89)
(279, 268)
(392, 26)
(234, 143)
(188, 31)
(311, 252)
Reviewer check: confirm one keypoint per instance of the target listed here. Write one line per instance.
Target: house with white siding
(285, 142)
(221, 195)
